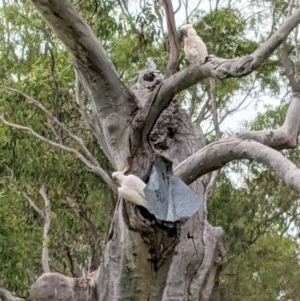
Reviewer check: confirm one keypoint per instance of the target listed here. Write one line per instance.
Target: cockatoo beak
(115, 175)
(184, 32)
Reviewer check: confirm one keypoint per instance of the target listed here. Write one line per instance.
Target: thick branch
(217, 154)
(283, 137)
(47, 224)
(172, 66)
(111, 101)
(88, 52)
(90, 119)
(214, 67)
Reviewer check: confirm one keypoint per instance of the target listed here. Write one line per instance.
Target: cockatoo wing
(133, 196)
(192, 54)
(134, 183)
(195, 49)
(132, 189)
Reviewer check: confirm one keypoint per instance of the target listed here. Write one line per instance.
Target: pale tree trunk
(145, 259)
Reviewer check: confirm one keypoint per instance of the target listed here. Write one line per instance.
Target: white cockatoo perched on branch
(131, 189)
(194, 47)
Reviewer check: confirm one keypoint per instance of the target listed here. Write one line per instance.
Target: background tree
(144, 259)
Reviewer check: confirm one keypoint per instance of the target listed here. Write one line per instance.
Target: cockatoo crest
(194, 47)
(188, 28)
(131, 189)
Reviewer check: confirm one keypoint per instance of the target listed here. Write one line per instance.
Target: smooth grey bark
(111, 101)
(145, 259)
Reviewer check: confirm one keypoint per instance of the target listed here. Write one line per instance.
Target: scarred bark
(145, 259)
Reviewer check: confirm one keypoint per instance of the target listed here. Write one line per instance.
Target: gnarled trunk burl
(144, 259)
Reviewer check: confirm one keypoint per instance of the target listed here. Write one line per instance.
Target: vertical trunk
(148, 260)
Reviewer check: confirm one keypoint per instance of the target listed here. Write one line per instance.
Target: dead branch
(214, 107)
(214, 111)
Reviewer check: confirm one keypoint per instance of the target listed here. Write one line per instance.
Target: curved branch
(213, 67)
(8, 295)
(281, 138)
(217, 154)
(286, 135)
(86, 49)
(40, 106)
(111, 101)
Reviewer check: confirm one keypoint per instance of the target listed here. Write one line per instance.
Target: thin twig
(39, 105)
(47, 224)
(92, 167)
(89, 224)
(173, 62)
(287, 64)
(213, 106)
(25, 195)
(214, 111)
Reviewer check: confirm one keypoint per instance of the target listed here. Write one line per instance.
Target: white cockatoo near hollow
(131, 189)
(150, 64)
(194, 48)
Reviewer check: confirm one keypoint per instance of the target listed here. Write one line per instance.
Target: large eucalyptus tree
(145, 259)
